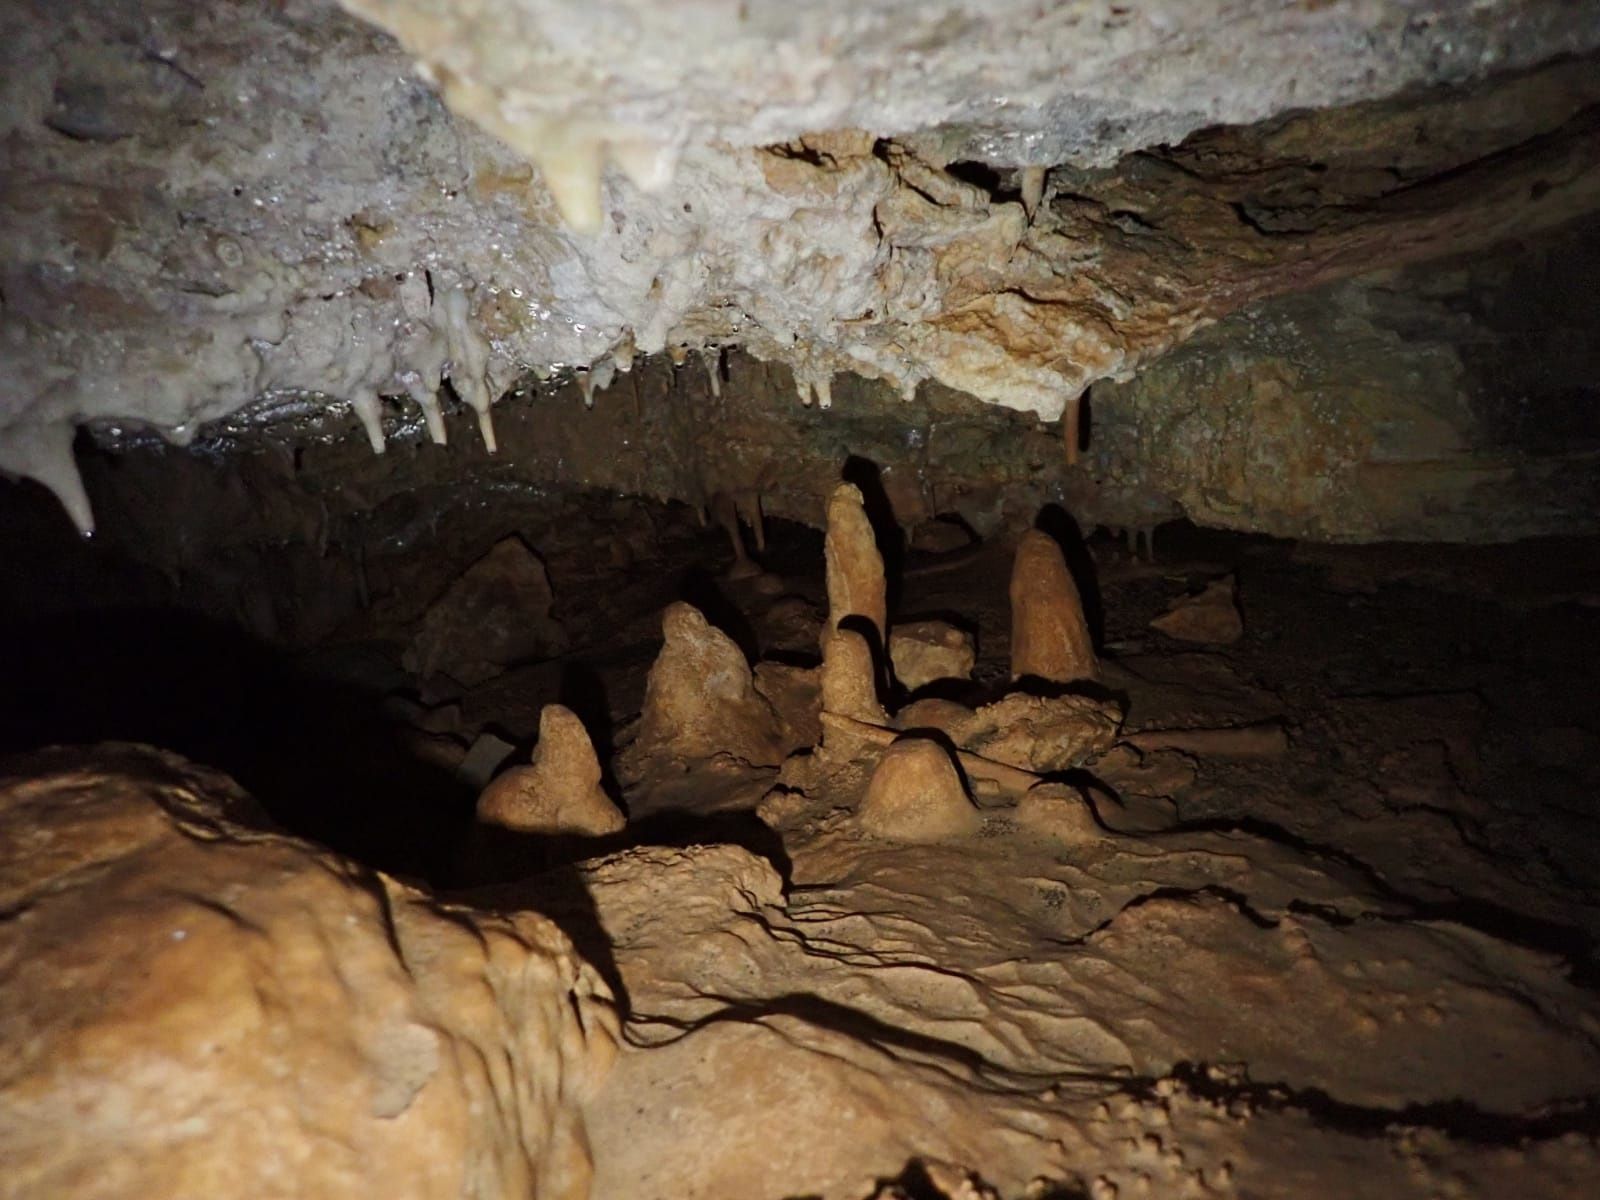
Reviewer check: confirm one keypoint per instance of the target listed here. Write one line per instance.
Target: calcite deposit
(701, 698)
(916, 795)
(852, 439)
(856, 585)
(849, 676)
(1050, 637)
(194, 1004)
(902, 195)
(559, 791)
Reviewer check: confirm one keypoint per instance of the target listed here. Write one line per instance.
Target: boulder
(192, 1004)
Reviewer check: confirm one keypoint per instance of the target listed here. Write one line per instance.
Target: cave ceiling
(244, 206)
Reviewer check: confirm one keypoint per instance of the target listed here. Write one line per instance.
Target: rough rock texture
(1049, 636)
(191, 1005)
(496, 614)
(1210, 616)
(985, 1002)
(1039, 733)
(701, 701)
(849, 676)
(856, 585)
(1059, 811)
(262, 201)
(916, 795)
(559, 790)
(925, 651)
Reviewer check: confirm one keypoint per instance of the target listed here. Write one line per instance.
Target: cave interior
(743, 600)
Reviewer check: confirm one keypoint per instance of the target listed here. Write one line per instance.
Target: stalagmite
(849, 677)
(559, 791)
(43, 453)
(916, 795)
(1049, 636)
(1059, 811)
(856, 585)
(700, 699)
(366, 406)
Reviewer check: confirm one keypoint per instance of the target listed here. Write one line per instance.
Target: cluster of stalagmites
(924, 763)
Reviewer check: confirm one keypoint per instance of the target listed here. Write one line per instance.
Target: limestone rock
(700, 699)
(496, 614)
(916, 795)
(1038, 733)
(1049, 636)
(193, 1005)
(849, 677)
(931, 712)
(856, 585)
(559, 791)
(923, 651)
(795, 694)
(1059, 811)
(1211, 617)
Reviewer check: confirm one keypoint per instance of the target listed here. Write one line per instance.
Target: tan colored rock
(495, 614)
(192, 1005)
(700, 699)
(1059, 811)
(931, 712)
(849, 677)
(916, 795)
(856, 586)
(559, 791)
(1212, 617)
(1049, 636)
(1038, 733)
(925, 651)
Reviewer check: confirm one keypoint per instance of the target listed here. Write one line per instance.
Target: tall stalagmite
(855, 567)
(1049, 636)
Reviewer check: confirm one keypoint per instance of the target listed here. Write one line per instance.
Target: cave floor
(1355, 959)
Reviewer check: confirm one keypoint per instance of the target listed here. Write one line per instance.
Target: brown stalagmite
(855, 568)
(916, 795)
(849, 678)
(1049, 636)
(700, 699)
(559, 790)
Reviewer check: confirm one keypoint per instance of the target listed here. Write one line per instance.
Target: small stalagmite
(1049, 636)
(856, 585)
(700, 699)
(916, 795)
(849, 677)
(559, 791)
